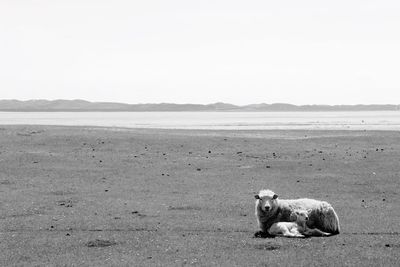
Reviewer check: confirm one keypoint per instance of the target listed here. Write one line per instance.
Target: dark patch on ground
(100, 243)
(65, 203)
(267, 246)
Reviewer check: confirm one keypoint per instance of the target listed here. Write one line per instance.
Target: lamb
(269, 210)
(295, 229)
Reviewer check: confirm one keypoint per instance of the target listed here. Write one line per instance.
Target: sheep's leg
(296, 233)
(288, 233)
(299, 235)
(321, 232)
(316, 232)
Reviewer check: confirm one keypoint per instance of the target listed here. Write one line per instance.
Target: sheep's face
(266, 200)
(300, 216)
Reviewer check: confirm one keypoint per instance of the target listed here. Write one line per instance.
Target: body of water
(359, 120)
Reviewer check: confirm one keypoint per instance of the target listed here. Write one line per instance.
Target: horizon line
(188, 103)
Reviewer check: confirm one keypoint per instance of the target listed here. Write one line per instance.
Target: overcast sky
(200, 51)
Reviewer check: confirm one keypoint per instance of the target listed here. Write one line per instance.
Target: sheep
(295, 229)
(269, 210)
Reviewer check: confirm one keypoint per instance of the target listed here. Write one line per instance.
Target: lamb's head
(300, 216)
(266, 200)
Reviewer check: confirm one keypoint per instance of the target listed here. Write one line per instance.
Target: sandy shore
(124, 197)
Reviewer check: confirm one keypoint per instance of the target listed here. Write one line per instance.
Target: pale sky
(201, 51)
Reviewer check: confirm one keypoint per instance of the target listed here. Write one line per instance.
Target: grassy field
(75, 196)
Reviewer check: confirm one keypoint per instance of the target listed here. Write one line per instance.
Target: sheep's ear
(275, 196)
(257, 197)
(293, 216)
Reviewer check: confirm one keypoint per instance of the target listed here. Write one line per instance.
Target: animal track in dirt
(6, 182)
(267, 247)
(66, 203)
(100, 243)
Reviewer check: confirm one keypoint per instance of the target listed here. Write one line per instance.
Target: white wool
(266, 193)
(295, 229)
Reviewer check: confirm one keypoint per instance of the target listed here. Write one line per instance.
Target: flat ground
(119, 197)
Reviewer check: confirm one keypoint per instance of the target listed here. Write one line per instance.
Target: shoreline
(225, 128)
(213, 132)
(381, 121)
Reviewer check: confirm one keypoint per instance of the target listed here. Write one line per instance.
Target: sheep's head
(266, 200)
(300, 216)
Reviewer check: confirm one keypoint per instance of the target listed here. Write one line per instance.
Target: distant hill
(82, 105)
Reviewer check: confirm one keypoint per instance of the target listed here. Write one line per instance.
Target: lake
(354, 120)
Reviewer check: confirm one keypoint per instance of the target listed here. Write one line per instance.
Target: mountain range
(83, 105)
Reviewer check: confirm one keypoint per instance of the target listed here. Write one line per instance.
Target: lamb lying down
(298, 228)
